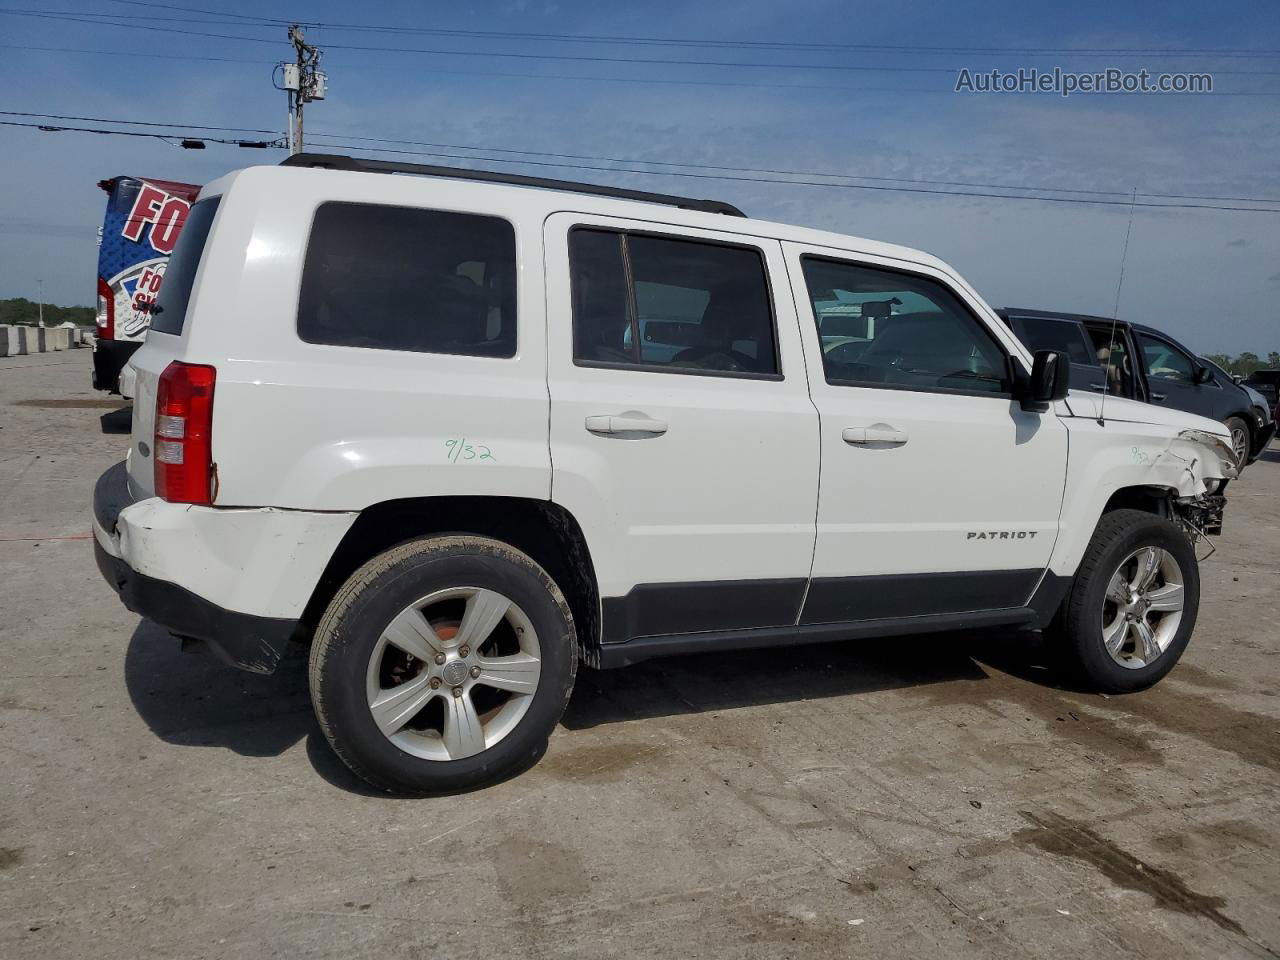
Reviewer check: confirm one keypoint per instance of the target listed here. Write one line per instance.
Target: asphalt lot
(924, 797)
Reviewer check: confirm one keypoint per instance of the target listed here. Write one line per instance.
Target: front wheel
(1241, 438)
(1131, 610)
(443, 665)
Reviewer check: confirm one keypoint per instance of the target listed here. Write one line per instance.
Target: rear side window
(658, 302)
(403, 278)
(170, 311)
(1065, 336)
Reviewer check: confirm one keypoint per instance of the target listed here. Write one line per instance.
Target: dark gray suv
(1142, 363)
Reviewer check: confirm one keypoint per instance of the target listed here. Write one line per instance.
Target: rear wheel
(443, 665)
(1241, 438)
(1133, 604)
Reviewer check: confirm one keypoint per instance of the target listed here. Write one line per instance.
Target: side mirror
(1050, 380)
(1203, 375)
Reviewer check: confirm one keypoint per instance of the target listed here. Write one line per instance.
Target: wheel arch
(1150, 498)
(545, 531)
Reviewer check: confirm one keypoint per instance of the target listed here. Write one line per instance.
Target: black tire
(1077, 630)
(349, 631)
(1239, 427)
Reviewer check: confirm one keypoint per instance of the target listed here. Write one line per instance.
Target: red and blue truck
(143, 220)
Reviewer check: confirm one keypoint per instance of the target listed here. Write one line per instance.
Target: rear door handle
(627, 423)
(1100, 387)
(1158, 397)
(876, 433)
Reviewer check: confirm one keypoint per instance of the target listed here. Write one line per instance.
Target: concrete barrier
(18, 341)
(18, 344)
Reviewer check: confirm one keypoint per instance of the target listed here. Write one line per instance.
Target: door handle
(1100, 387)
(1158, 397)
(628, 423)
(876, 433)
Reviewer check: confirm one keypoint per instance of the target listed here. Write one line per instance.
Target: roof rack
(333, 161)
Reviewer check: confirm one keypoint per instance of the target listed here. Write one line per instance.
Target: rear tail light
(106, 318)
(183, 433)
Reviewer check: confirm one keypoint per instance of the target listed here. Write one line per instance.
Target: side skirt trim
(845, 599)
(659, 609)
(645, 648)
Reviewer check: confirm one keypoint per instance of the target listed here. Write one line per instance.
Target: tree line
(1246, 363)
(23, 311)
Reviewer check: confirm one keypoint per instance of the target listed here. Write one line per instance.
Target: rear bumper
(109, 358)
(236, 579)
(250, 643)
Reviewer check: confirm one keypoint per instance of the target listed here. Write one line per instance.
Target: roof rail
(333, 161)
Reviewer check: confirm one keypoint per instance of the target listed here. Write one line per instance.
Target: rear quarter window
(404, 278)
(170, 311)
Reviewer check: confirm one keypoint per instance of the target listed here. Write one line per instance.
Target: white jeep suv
(461, 430)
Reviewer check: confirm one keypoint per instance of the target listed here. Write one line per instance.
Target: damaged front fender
(1184, 469)
(1221, 462)
(1204, 462)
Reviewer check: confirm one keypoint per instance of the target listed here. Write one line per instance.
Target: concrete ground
(923, 797)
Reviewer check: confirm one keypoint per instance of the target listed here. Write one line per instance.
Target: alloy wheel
(453, 673)
(1240, 444)
(1142, 607)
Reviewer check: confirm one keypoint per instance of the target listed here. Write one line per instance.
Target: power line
(650, 61)
(165, 137)
(782, 172)
(707, 42)
(137, 123)
(807, 183)
(68, 18)
(116, 53)
(671, 173)
(632, 160)
(664, 81)
(660, 81)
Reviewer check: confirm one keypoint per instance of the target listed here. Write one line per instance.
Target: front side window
(658, 302)
(403, 278)
(883, 328)
(1164, 361)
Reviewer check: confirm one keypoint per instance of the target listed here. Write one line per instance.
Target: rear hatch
(165, 341)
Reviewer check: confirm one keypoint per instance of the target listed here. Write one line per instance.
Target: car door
(939, 495)
(683, 439)
(1171, 378)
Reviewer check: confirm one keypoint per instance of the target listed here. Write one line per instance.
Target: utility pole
(40, 283)
(303, 82)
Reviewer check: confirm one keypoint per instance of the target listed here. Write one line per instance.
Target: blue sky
(1210, 277)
